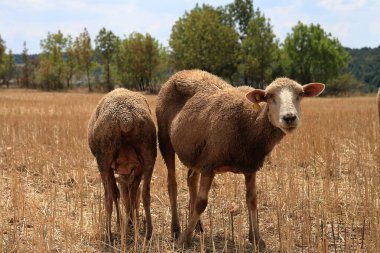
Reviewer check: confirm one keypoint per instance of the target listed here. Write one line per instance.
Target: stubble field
(319, 191)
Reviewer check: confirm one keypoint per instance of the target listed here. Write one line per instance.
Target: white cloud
(354, 22)
(283, 18)
(342, 5)
(121, 17)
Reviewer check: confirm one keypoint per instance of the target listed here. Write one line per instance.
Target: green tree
(313, 55)
(85, 54)
(345, 84)
(365, 65)
(26, 68)
(9, 67)
(137, 59)
(70, 61)
(241, 12)
(151, 53)
(259, 50)
(201, 39)
(164, 69)
(2, 49)
(53, 54)
(107, 45)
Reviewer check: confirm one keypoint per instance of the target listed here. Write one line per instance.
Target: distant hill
(365, 65)
(18, 58)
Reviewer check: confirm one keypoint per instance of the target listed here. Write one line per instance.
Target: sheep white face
(284, 109)
(283, 97)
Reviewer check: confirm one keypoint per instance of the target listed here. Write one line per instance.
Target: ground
(317, 192)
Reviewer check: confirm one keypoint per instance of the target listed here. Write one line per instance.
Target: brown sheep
(378, 103)
(214, 129)
(122, 137)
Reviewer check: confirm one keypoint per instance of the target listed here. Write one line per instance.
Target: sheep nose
(289, 118)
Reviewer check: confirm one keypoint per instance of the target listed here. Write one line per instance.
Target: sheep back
(177, 91)
(222, 129)
(121, 116)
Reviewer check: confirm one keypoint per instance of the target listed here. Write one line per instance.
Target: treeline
(365, 65)
(134, 62)
(235, 42)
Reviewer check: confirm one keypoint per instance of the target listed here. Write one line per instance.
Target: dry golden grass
(318, 192)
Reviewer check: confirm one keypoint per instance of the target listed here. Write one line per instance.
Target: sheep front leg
(146, 203)
(147, 157)
(192, 183)
(251, 199)
(200, 205)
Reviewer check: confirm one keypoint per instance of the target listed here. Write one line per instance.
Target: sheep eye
(300, 95)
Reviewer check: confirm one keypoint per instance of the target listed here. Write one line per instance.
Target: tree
(9, 68)
(345, 84)
(258, 51)
(241, 12)
(164, 69)
(365, 65)
(201, 39)
(151, 57)
(313, 54)
(106, 45)
(2, 49)
(70, 61)
(85, 54)
(53, 60)
(26, 68)
(138, 57)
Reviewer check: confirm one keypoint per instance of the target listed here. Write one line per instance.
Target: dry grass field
(319, 191)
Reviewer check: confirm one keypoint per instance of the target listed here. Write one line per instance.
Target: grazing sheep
(214, 129)
(378, 103)
(122, 137)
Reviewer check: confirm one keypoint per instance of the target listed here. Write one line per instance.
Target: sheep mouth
(289, 129)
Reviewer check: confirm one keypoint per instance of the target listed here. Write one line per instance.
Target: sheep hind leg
(107, 177)
(116, 198)
(146, 202)
(193, 184)
(169, 157)
(251, 199)
(133, 195)
(200, 205)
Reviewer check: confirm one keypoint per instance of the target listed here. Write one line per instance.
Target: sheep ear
(313, 89)
(256, 96)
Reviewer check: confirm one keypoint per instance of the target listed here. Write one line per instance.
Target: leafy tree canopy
(106, 45)
(312, 54)
(201, 39)
(365, 65)
(259, 50)
(137, 59)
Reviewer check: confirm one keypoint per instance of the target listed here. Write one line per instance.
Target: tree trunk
(108, 77)
(88, 79)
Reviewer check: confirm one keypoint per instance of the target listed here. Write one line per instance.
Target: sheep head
(283, 97)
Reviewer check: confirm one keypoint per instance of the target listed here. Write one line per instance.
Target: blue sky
(356, 23)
